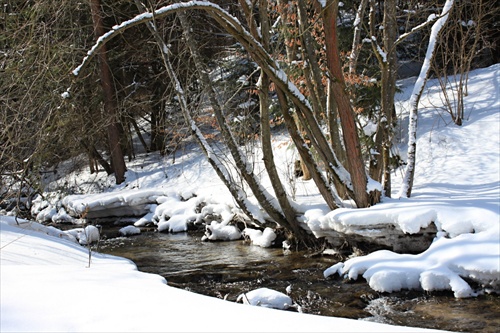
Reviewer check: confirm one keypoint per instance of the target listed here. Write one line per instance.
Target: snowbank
(48, 286)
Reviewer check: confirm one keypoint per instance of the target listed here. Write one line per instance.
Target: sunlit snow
(48, 285)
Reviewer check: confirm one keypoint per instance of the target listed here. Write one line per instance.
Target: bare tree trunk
(158, 129)
(317, 88)
(283, 199)
(291, 56)
(356, 40)
(110, 105)
(335, 139)
(264, 199)
(307, 120)
(418, 88)
(214, 161)
(305, 153)
(139, 134)
(381, 169)
(306, 173)
(355, 161)
(94, 156)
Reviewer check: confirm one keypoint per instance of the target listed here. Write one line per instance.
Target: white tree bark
(409, 175)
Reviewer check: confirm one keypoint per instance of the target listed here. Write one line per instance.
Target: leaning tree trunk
(418, 88)
(110, 105)
(238, 195)
(262, 196)
(299, 234)
(271, 68)
(355, 163)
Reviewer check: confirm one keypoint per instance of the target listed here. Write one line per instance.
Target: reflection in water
(227, 269)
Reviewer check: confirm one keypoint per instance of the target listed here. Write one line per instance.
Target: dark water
(227, 269)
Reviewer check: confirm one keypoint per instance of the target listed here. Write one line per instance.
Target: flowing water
(227, 269)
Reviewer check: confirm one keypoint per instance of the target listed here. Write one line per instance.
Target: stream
(227, 269)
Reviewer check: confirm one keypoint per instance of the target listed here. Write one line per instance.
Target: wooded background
(227, 73)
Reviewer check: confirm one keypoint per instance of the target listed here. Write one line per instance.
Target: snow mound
(129, 231)
(173, 213)
(446, 265)
(267, 298)
(85, 236)
(177, 223)
(26, 225)
(46, 214)
(62, 217)
(135, 202)
(260, 238)
(221, 231)
(146, 219)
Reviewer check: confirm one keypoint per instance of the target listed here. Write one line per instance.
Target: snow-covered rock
(267, 298)
(444, 266)
(260, 238)
(221, 231)
(46, 214)
(177, 223)
(85, 236)
(146, 219)
(37, 205)
(129, 231)
(120, 203)
(174, 213)
(62, 217)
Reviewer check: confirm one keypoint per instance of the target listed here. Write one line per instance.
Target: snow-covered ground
(48, 285)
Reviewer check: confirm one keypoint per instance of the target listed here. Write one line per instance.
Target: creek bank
(178, 212)
(226, 269)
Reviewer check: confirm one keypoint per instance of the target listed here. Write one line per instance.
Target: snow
(261, 238)
(267, 298)
(221, 231)
(48, 285)
(418, 87)
(438, 268)
(129, 230)
(45, 271)
(382, 53)
(89, 235)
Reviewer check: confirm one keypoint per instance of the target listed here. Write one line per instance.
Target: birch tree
(416, 94)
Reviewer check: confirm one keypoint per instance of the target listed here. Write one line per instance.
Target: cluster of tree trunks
(296, 46)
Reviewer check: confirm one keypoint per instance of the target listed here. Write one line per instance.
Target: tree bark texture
(355, 163)
(110, 104)
(281, 81)
(381, 169)
(246, 173)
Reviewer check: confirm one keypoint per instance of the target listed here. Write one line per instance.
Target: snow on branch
(230, 23)
(142, 18)
(418, 88)
(430, 19)
(382, 55)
